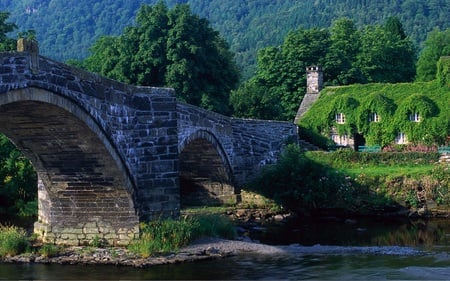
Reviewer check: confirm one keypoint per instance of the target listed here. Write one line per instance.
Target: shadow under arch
(206, 177)
(83, 183)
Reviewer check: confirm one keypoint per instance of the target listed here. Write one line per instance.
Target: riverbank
(202, 249)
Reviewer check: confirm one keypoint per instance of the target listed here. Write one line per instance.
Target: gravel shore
(202, 249)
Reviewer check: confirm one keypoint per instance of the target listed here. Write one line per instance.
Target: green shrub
(214, 226)
(301, 184)
(163, 236)
(13, 241)
(49, 250)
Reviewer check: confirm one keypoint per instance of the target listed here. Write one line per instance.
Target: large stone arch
(206, 176)
(84, 188)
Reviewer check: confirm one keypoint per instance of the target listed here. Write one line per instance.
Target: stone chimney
(314, 79)
(31, 47)
(314, 84)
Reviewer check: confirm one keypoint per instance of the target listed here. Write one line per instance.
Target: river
(327, 249)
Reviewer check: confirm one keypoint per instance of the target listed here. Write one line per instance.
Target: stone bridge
(109, 155)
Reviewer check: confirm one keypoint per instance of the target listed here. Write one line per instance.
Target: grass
(165, 236)
(13, 241)
(390, 170)
(373, 164)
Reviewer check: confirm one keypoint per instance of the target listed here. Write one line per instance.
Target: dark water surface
(327, 249)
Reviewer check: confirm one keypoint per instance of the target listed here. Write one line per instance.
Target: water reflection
(368, 249)
(357, 232)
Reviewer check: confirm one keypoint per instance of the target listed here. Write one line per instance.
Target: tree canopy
(6, 43)
(376, 53)
(170, 48)
(436, 46)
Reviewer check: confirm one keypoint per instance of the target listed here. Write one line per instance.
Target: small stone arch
(205, 171)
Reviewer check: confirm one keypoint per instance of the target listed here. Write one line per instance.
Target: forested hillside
(66, 29)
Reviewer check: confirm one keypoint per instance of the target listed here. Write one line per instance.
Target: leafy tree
(340, 64)
(386, 54)
(6, 44)
(436, 46)
(280, 74)
(18, 191)
(348, 55)
(170, 48)
(254, 100)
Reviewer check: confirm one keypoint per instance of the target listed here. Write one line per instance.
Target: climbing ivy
(346, 105)
(377, 132)
(393, 103)
(416, 132)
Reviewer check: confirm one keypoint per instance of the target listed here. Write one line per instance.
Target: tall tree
(436, 46)
(386, 55)
(170, 48)
(6, 43)
(340, 65)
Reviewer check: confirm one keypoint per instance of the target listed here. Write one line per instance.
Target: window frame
(339, 118)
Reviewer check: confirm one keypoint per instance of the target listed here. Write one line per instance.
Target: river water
(326, 249)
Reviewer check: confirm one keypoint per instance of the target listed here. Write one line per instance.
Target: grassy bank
(355, 182)
(164, 236)
(157, 237)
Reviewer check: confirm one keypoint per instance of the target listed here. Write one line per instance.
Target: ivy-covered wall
(379, 112)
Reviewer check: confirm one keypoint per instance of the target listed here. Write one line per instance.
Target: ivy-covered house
(378, 114)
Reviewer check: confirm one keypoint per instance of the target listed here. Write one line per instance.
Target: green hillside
(66, 29)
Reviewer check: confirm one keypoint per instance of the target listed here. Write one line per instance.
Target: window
(374, 117)
(415, 117)
(340, 118)
(401, 138)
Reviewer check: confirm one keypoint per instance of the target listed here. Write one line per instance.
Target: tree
(436, 46)
(386, 55)
(170, 48)
(340, 65)
(18, 190)
(6, 44)
(254, 100)
(280, 74)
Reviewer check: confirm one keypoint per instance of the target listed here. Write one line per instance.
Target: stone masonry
(107, 155)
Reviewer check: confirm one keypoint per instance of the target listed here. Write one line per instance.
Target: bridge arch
(206, 176)
(84, 187)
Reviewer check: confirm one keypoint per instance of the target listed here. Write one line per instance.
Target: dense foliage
(299, 184)
(381, 53)
(13, 241)
(67, 33)
(394, 103)
(170, 48)
(436, 46)
(18, 182)
(353, 182)
(6, 43)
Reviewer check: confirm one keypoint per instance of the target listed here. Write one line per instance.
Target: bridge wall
(107, 154)
(245, 145)
(137, 126)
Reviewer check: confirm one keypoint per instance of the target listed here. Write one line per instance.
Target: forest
(68, 33)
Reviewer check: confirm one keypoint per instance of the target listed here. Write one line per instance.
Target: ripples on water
(361, 250)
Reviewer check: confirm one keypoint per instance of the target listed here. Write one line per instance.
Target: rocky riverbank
(203, 249)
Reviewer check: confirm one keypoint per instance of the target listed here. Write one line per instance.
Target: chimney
(314, 84)
(314, 79)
